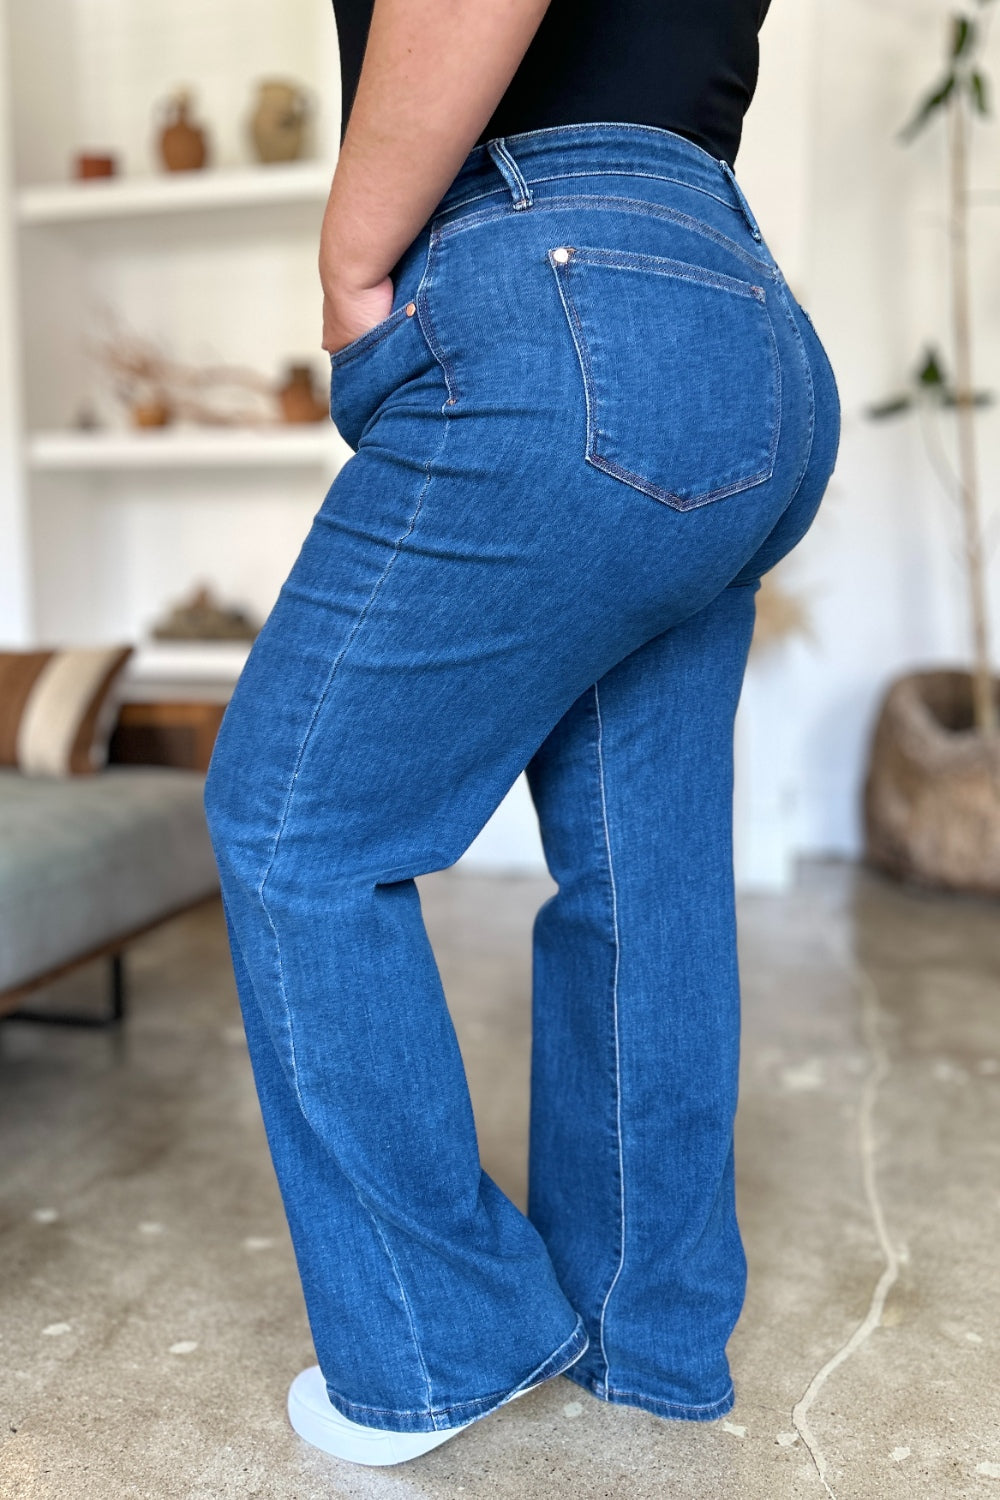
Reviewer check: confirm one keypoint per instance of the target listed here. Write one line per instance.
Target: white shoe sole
(317, 1420)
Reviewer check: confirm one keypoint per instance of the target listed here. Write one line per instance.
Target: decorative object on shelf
(202, 617)
(932, 793)
(298, 397)
(280, 119)
(932, 806)
(86, 418)
(153, 412)
(146, 380)
(89, 164)
(183, 143)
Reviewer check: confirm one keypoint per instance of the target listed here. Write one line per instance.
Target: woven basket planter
(932, 795)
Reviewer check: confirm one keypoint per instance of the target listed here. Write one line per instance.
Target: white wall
(858, 222)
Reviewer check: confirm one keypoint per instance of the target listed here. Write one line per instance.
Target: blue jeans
(593, 418)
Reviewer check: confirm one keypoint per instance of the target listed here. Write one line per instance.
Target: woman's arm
(433, 73)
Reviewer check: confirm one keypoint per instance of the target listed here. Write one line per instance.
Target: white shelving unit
(182, 192)
(182, 449)
(192, 669)
(104, 528)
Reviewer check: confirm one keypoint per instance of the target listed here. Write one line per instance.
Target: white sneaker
(316, 1419)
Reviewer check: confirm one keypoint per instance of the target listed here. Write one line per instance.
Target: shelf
(174, 192)
(156, 662)
(196, 448)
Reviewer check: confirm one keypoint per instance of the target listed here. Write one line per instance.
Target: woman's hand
(432, 76)
(348, 311)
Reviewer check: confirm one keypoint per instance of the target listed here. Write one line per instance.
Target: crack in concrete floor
(878, 1073)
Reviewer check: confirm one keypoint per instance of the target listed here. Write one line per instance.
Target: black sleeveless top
(685, 65)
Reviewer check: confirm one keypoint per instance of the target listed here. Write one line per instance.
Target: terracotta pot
(89, 164)
(299, 399)
(932, 794)
(152, 413)
(278, 123)
(183, 144)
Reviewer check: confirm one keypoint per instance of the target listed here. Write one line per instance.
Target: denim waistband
(613, 147)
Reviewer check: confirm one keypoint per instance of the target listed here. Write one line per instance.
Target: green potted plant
(932, 792)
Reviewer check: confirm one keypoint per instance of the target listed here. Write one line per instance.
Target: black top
(685, 65)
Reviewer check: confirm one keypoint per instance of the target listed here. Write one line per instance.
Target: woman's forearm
(433, 73)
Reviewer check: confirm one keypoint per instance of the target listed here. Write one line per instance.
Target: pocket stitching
(628, 260)
(677, 270)
(368, 339)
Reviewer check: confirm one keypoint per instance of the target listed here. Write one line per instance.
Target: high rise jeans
(593, 418)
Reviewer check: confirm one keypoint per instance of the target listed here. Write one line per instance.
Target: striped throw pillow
(58, 708)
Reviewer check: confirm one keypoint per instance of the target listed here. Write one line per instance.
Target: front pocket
(364, 372)
(371, 336)
(680, 373)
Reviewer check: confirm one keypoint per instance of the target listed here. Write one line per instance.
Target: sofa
(87, 863)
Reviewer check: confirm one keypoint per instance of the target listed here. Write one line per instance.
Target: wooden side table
(166, 734)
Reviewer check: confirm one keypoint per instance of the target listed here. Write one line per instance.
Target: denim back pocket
(680, 373)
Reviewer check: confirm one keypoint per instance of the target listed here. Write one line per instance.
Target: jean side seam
(281, 827)
(403, 1297)
(614, 1008)
(282, 821)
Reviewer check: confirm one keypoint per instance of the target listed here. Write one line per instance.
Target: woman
(588, 415)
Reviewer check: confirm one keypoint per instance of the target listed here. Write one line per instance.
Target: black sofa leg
(113, 1016)
(117, 988)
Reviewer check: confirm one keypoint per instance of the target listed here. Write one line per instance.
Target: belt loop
(509, 171)
(744, 205)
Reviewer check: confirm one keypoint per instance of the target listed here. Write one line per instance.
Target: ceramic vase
(298, 399)
(279, 120)
(183, 143)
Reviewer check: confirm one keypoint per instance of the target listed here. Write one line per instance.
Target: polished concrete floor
(149, 1310)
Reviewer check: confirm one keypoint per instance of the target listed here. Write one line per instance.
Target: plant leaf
(933, 101)
(977, 87)
(931, 372)
(963, 35)
(889, 408)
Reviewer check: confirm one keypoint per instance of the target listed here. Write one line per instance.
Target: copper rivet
(411, 308)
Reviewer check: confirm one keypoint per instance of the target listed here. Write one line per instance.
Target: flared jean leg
(636, 1016)
(338, 1238)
